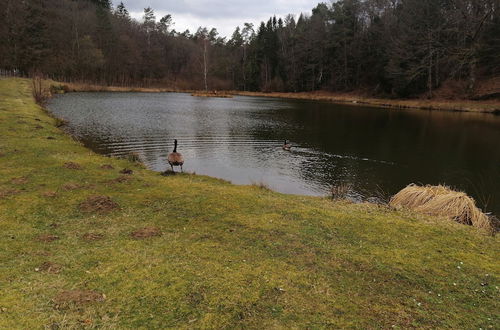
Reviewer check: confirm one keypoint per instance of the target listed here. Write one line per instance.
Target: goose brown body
(175, 158)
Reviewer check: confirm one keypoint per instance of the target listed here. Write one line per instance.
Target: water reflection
(240, 139)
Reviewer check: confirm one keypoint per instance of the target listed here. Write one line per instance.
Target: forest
(391, 48)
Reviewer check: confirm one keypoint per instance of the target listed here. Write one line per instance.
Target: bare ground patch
(50, 267)
(49, 194)
(146, 232)
(78, 297)
(20, 180)
(99, 204)
(47, 238)
(73, 166)
(8, 192)
(107, 167)
(92, 236)
(127, 171)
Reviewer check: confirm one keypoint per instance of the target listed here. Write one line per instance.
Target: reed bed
(442, 201)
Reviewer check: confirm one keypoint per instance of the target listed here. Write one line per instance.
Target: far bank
(355, 99)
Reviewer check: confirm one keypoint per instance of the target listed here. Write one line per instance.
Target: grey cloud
(222, 8)
(223, 15)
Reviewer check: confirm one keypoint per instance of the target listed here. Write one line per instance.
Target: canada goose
(174, 158)
(287, 146)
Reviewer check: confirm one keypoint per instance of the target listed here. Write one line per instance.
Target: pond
(374, 151)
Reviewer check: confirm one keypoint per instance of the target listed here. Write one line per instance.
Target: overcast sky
(222, 14)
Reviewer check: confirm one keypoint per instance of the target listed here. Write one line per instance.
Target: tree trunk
(205, 64)
(472, 77)
(429, 68)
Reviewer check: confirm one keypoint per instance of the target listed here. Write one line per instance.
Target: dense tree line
(391, 47)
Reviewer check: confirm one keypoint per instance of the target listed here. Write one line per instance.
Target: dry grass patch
(20, 180)
(146, 232)
(442, 201)
(78, 297)
(92, 236)
(47, 238)
(99, 204)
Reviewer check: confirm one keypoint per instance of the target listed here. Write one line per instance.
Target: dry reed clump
(442, 201)
(340, 191)
(262, 185)
(40, 93)
(58, 122)
(133, 157)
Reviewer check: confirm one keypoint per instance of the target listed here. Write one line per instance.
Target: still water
(374, 151)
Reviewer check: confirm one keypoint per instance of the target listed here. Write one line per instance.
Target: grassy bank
(355, 99)
(84, 245)
(83, 87)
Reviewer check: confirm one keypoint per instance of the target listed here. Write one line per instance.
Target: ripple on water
(240, 140)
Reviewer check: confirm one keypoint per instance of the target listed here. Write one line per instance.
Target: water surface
(239, 139)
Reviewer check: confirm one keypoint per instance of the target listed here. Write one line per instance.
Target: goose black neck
(175, 145)
(285, 142)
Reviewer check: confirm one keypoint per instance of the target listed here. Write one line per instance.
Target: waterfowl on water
(287, 146)
(175, 158)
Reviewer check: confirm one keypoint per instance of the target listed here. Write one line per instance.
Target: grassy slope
(229, 255)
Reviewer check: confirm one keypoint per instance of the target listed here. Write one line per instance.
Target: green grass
(229, 256)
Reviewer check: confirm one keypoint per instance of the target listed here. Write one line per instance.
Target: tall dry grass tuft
(442, 201)
(40, 93)
(261, 185)
(134, 157)
(340, 191)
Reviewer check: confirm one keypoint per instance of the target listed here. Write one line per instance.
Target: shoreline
(491, 107)
(91, 239)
